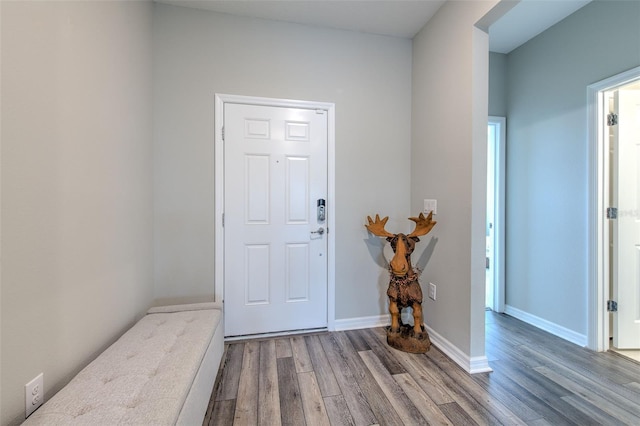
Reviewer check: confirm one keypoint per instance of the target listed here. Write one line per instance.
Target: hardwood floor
(354, 378)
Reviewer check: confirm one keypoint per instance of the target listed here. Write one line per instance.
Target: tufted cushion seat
(159, 372)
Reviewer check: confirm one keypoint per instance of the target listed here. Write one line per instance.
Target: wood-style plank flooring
(354, 378)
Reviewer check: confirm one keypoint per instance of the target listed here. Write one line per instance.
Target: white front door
(275, 243)
(625, 143)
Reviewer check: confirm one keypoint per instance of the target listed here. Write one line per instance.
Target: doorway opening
(495, 234)
(614, 114)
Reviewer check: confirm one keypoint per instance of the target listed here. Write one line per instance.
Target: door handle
(320, 231)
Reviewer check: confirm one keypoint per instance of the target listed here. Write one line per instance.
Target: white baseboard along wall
(471, 365)
(548, 326)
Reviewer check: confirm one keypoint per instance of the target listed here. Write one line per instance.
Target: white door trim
(499, 212)
(220, 100)
(598, 234)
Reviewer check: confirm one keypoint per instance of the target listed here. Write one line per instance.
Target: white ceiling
(397, 18)
(528, 19)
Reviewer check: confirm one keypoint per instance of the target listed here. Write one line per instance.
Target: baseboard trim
(361, 322)
(548, 326)
(471, 365)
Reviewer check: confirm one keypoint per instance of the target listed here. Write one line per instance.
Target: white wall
(368, 77)
(547, 170)
(76, 186)
(450, 98)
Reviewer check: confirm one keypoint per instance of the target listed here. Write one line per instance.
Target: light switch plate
(430, 206)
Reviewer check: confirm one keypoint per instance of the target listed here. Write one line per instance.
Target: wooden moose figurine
(404, 289)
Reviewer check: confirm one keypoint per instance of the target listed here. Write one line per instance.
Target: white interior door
(275, 250)
(489, 263)
(495, 226)
(626, 229)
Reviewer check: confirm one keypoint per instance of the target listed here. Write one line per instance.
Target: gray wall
(547, 156)
(76, 186)
(497, 84)
(368, 77)
(448, 152)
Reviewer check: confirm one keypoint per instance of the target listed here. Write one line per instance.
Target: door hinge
(612, 119)
(487, 263)
(612, 306)
(223, 220)
(612, 212)
(222, 132)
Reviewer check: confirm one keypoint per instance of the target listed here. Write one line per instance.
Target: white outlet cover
(34, 394)
(432, 291)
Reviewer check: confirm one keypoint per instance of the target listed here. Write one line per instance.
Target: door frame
(499, 225)
(598, 233)
(219, 181)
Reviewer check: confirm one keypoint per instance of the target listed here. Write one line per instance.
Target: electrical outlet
(34, 394)
(432, 291)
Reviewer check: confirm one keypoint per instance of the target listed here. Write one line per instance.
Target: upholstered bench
(160, 372)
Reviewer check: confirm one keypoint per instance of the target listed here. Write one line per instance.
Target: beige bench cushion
(143, 378)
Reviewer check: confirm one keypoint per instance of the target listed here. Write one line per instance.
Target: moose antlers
(377, 227)
(423, 225)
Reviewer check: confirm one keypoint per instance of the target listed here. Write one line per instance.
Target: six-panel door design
(275, 259)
